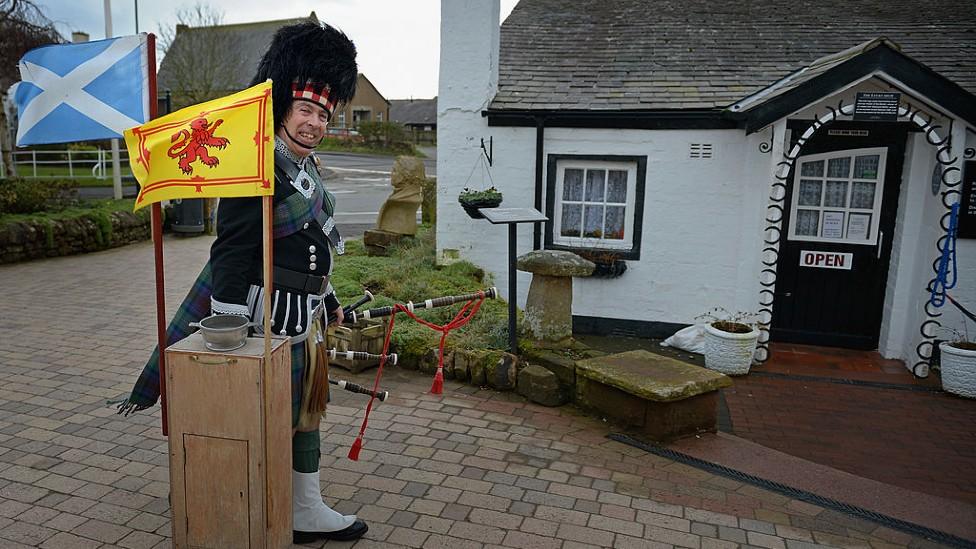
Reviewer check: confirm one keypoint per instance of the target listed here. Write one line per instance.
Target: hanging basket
(729, 353)
(612, 269)
(472, 206)
(958, 370)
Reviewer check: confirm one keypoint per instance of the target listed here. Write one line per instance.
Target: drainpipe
(540, 132)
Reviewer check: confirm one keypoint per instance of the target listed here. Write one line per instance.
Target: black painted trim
(936, 88)
(540, 138)
(647, 329)
(641, 178)
(703, 119)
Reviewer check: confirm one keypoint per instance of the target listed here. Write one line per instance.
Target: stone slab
(651, 376)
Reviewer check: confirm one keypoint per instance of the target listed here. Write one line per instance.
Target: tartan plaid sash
(289, 216)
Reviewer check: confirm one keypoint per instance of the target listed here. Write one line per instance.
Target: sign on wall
(876, 106)
(967, 204)
(826, 260)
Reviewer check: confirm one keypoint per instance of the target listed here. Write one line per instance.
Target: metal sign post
(512, 217)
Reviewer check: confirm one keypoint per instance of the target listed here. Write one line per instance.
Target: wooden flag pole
(266, 213)
(268, 282)
(157, 238)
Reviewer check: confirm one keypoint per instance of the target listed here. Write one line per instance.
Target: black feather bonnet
(308, 52)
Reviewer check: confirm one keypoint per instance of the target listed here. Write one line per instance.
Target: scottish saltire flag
(80, 92)
(223, 147)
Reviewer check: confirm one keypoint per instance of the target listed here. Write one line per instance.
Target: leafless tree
(201, 61)
(22, 27)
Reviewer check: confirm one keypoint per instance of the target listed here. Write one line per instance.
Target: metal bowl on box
(222, 333)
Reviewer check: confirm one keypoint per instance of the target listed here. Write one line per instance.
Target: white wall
(701, 226)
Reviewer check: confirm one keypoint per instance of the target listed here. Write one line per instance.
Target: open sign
(826, 260)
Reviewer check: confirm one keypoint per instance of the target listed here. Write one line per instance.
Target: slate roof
(414, 111)
(251, 41)
(621, 55)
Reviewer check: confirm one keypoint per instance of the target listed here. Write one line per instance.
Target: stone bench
(662, 397)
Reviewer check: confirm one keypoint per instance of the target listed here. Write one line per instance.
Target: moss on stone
(651, 376)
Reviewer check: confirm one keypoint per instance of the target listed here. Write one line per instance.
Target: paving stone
(757, 526)
(26, 533)
(140, 540)
(102, 531)
(433, 524)
(572, 532)
(765, 540)
(64, 540)
(477, 532)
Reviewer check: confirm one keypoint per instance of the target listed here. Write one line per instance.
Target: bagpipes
(472, 302)
(319, 391)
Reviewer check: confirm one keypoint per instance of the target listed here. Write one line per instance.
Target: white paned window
(595, 204)
(342, 119)
(837, 197)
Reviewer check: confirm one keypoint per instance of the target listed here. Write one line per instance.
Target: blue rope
(941, 283)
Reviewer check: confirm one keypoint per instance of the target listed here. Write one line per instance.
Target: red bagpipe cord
(463, 316)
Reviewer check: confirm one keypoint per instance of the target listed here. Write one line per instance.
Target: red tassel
(438, 386)
(356, 447)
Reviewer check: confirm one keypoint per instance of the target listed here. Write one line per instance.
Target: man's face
(304, 127)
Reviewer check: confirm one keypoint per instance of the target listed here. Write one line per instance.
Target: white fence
(67, 163)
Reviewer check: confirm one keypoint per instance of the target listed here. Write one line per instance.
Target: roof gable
(831, 73)
(248, 42)
(414, 111)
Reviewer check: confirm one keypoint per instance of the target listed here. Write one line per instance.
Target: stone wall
(22, 241)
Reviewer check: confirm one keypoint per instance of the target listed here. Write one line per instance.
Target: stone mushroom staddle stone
(549, 306)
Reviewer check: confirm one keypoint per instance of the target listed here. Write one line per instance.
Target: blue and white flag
(81, 92)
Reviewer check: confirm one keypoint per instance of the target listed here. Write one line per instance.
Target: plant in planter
(608, 264)
(472, 200)
(958, 364)
(730, 340)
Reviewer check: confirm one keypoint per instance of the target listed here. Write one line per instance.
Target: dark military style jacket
(304, 237)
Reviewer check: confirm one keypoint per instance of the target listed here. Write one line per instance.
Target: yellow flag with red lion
(221, 148)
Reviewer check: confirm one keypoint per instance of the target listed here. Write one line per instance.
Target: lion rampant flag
(223, 147)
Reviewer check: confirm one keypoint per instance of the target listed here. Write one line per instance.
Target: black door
(838, 223)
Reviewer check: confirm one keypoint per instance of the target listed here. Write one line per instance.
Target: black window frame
(552, 167)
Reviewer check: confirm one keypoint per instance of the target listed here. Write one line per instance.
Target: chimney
(180, 27)
(78, 37)
(469, 54)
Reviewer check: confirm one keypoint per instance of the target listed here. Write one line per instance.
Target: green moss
(410, 273)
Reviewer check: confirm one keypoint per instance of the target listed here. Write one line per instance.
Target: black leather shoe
(351, 532)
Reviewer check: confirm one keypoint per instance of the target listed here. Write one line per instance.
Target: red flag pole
(157, 238)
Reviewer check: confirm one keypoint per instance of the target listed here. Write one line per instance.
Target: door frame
(890, 135)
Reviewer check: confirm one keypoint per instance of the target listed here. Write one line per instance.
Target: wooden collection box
(229, 420)
(364, 335)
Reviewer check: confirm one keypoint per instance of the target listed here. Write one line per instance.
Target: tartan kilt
(297, 377)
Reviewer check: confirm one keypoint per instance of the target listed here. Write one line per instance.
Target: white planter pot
(958, 370)
(729, 353)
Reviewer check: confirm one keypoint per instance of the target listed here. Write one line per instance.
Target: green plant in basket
(472, 200)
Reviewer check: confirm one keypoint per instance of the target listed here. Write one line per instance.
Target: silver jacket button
(311, 249)
(305, 226)
(312, 258)
(311, 266)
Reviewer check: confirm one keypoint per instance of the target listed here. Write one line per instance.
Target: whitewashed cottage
(795, 160)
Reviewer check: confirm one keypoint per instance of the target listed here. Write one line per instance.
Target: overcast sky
(398, 40)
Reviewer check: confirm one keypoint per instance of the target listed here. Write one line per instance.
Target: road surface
(360, 182)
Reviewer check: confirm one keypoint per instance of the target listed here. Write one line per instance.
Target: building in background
(207, 62)
(418, 116)
(796, 164)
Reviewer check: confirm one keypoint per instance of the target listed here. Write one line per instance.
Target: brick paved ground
(467, 469)
(921, 439)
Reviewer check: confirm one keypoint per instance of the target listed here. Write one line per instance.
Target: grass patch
(334, 144)
(82, 176)
(410, 273)
(96, 210)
